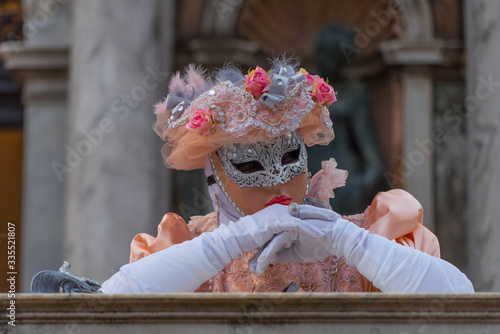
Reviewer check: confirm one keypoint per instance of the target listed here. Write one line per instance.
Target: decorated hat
(202, 114)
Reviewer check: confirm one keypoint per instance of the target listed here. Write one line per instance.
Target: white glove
(390, 266)
(184, 267)
(313, 239)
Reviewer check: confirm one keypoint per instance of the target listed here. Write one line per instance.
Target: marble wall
(116, 181)
(482, 102)
(93, 174)
(40, 63)
(450, 163)
(46, 22)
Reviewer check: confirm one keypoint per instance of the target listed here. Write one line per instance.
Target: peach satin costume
(394, 214)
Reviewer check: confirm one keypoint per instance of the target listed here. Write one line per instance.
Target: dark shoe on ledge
(62, 281)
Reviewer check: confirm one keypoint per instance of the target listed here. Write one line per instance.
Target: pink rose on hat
(322, 93)
(257, 82)
(202, 121)
(309, 78)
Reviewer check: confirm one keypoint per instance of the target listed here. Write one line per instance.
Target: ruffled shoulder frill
(327, 179)
(171, 230)
(199, 224)
(394, 214)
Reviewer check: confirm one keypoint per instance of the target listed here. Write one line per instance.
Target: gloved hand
(391, 267)
(312, 239)
(184, 267)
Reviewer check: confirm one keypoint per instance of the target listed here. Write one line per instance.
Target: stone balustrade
(253, 313)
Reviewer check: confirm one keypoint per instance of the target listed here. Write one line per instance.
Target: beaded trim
(217, 209)
(221, 185)
(250, 107)
(325, 117)
(174, 123)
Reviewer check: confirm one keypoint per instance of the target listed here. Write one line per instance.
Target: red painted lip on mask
(283, 200)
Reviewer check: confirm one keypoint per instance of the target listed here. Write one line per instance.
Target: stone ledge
(432, 52)
(42, 71)
(21, 56)
(194, 312)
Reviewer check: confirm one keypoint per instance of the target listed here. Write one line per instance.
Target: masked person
(271, 224)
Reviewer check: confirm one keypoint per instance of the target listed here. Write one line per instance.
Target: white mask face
(264, 164)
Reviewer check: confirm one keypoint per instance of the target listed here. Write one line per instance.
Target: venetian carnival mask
(264, 164)
(253, 128)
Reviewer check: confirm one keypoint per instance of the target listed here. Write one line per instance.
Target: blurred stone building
(90, 72)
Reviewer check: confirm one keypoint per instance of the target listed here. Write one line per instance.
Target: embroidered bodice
(328, 275)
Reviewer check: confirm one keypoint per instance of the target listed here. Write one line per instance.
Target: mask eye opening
(248, 167)
(290, 157)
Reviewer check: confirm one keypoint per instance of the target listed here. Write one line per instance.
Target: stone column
(40, 64)
(418, 147)
(417, 169)
(482, 102)
(116, 187)
(415, 54)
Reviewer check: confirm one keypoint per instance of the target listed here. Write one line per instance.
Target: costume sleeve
(174, 261)
(397, 215)
(171, 230)
(184, 266)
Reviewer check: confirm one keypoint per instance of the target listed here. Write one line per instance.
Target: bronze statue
(355, 146)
